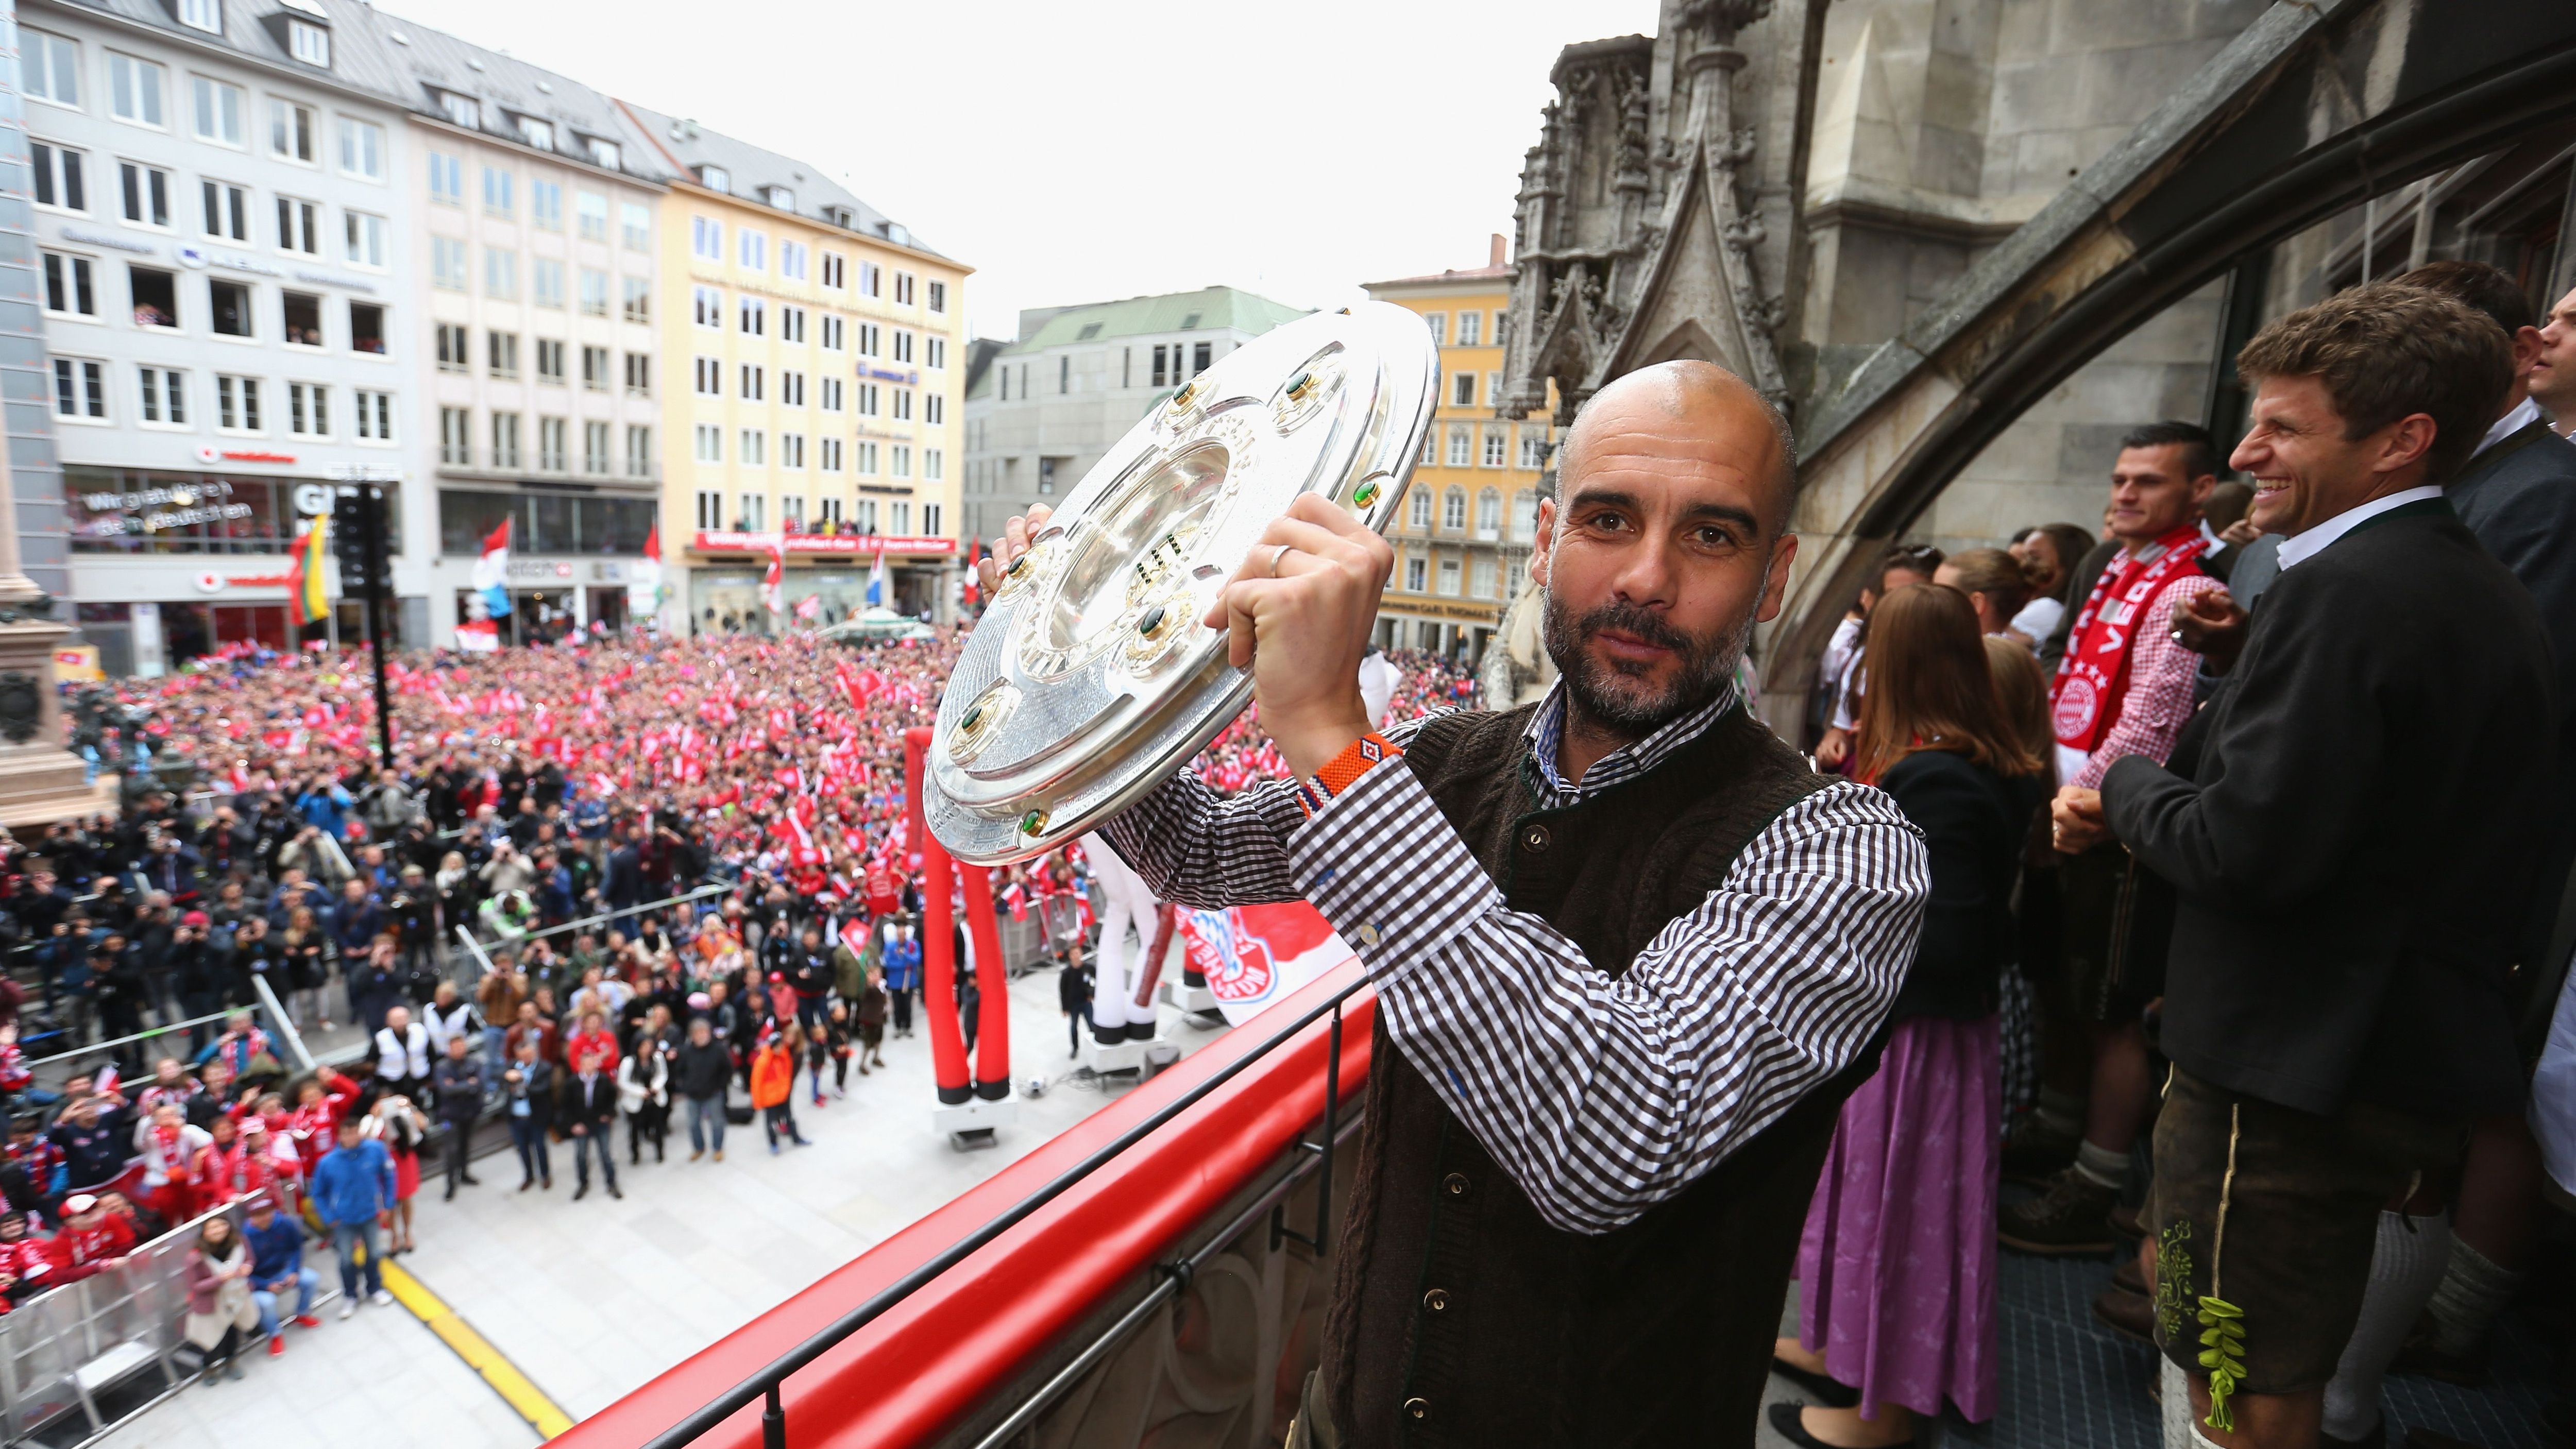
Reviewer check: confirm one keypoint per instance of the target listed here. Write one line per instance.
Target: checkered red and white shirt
(1602, 1097)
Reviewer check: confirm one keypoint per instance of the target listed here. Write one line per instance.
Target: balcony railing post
(1332, 1107)
(773, 1422)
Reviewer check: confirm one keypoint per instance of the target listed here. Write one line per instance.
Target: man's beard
(1705, 666)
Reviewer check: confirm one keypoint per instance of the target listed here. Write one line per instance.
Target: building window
(146, 193)
(791, 450)
(934, 353)
(1438, 322)
(867, 459)
(500, 274)
(1449, 577)
(447, 263)
(754, 517)
(1459, 444)
(1199, 358)
(899, 517)
(500, 192)
(706, 238)
(751, 249)
(934, 465)
(50, 67)
(710, 443)
(751, 382)
(707, 306)
(903, 353)
(1481, 575)
(871, 280)
(1421, 506)
(1414, 574)
(309, 43)
(237, 404)
(832, 395)
(867, 514)
(501, 353)
(505, 440)
(1453, 510)
(869, 346)
(62, 176)
(902, 403)
(134, 90)
(362, 149)
(550, 360)
(366, 328)
(934, 409)
(594, 292)
(716, 178)
(827, 511)
(366, 239)
(791, 512)
(446, 179)
(710, 512)
(302, 312)
(299, 226)
(538, 134)
(1493, 447)
(156, 296)
(227, 210)
(792, 258)
(639, 450)
(1471, 329)
(594, 448)
(1524, 516)
(550, 445)
(903, 289)
(68, 288)
(755, 317)
(290, 131)
(218, 110)
(900, 460)
(1533, 448)
(637, 305)
(594, 369)
(1489, 515)
(830, 451)
(939, 297)
(791, 389)
(545, 205)
(308, 409)
(454, 353)
(753, 449)
(639, 374)
(455, 437)
(461, 110)
(835, 271)
(230, 304)
(791, 324)
(1462, 390)
(545, 282)
(635, 226)
(375, 416)
(165, 396)
(603, 153)
(930, 520)
(709, 374)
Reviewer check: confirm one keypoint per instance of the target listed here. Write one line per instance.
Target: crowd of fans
(682, 868)
(2246, 923)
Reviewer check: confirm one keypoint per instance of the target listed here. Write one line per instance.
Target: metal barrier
(62, 1351)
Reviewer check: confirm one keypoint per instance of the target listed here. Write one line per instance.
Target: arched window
(1524, 516)
(1453, 510)
(1489, 515)
(1422, 510)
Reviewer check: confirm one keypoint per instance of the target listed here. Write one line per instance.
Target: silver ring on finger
(1278, 551)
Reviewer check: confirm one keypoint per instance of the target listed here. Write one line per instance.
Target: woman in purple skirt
(1897, 1268)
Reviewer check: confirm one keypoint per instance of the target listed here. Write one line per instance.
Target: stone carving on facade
(1652, 223)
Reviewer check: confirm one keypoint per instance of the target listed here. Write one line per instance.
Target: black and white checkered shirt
(1601, 1097)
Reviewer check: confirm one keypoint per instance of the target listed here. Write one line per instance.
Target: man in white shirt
(402, 1056)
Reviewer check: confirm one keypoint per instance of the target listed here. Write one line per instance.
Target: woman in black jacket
(1897, 1269)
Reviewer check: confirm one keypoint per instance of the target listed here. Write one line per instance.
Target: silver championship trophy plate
(1090, 679)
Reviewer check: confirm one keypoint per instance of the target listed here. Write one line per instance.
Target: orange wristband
(1344, 770)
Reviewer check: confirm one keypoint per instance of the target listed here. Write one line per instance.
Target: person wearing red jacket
(28, 1259)
(593, 1039)
(315, 1123)
(227, 1169)
(92, 1238)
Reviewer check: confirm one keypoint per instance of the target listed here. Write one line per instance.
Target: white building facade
(218, 201)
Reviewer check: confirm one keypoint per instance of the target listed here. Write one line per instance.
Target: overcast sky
(1093, 149)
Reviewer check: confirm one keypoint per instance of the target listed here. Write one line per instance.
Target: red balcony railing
(943, 1322)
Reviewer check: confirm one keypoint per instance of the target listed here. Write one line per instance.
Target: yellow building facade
(813, 377)
(1462, 538)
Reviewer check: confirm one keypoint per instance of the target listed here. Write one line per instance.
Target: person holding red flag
(2123, 688)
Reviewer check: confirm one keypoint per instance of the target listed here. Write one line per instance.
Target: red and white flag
(773, 585)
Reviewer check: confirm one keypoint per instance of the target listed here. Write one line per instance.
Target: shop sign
(1478, 613)
(230, 261)
(209, 453)
(89, 238)
(333, 279)
(152, 510)
(532, 569)
(217, 583)
(844, 544)
(882, 374)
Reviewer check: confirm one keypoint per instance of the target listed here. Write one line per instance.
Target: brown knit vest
(1459, 1318)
